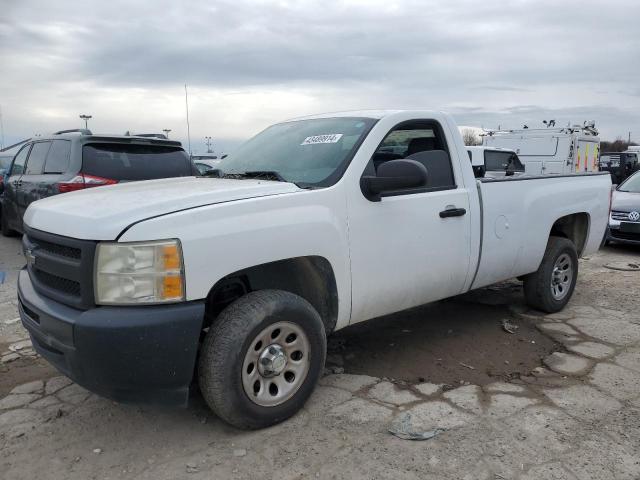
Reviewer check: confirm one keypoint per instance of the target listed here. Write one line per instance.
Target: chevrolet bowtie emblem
(30, 257)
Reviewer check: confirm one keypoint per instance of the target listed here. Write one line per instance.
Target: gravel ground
(557, 399)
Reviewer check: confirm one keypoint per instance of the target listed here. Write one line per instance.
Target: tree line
(618, 145)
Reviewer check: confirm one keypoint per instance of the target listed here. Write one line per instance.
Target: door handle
(452, 212)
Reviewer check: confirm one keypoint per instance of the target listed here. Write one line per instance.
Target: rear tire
(262, 358)
(550, 288)
(4, 227)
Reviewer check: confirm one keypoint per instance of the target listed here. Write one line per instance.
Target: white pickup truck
(135, 290)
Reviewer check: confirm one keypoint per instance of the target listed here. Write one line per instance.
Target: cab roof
(376, 114)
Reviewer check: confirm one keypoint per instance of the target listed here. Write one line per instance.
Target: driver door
(404, 253)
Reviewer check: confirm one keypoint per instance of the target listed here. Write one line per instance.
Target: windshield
(631, 184)
(306, 152)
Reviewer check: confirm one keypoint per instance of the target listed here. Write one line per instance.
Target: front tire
(262, 358)
(550, 288)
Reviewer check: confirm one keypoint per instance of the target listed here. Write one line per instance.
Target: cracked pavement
(575, 416)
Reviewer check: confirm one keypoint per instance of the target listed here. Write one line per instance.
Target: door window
(20, 160)
(37, 157)
(424, 142)
(58, 157)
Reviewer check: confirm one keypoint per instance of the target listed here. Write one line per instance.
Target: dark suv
(75, 159)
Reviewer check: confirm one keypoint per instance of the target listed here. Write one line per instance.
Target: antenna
(186, 102)
(2, 130)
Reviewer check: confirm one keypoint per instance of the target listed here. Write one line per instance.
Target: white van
(551, 151)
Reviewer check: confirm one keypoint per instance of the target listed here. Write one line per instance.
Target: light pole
(208, 140)
(85, 118)
(166, 131)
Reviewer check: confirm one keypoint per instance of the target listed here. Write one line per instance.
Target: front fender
(220, 239)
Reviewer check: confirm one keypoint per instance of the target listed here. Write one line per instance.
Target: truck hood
(102, 213)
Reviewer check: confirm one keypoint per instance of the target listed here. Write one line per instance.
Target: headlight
(139, 273)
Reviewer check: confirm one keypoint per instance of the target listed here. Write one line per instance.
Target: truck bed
(518, 214)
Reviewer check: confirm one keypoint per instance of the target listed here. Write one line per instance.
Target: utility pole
(207, 141)
(186, 102)
(1, 130)
(166, 131)
(85, 118)
(629, 142)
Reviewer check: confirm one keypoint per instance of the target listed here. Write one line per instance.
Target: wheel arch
(574, 227)
(310, 277)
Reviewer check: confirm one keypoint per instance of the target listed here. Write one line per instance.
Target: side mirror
(394, 175)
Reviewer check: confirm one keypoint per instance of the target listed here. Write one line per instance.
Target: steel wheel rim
(561, 277)
(265, 380)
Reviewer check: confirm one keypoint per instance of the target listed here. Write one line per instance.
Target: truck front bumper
(143, 354)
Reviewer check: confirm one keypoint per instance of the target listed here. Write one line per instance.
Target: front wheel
(262, 358)
(550, 288)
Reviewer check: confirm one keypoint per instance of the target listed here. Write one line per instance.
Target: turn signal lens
(171, 287)
(171, 257)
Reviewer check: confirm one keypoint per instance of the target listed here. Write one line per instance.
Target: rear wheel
(550, 288)
(262, 358)
(4, 227)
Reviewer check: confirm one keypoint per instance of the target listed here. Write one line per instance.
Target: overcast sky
(251, 63)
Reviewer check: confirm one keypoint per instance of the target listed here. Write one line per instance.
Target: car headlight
(139, 273)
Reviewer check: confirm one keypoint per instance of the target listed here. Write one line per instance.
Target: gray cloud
(250, 63)
(503, 88)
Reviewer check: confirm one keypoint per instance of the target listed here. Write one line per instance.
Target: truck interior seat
(380, 157)
(438, 167)
(420, 144)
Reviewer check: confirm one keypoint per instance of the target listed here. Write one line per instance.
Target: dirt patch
(616, 289)
(454, 341)
(23, 370)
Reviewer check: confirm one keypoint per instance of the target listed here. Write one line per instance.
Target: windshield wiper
(256, 174)
(263, 175)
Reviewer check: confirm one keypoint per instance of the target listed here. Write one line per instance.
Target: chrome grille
(61, 250)
(65, 285)
(621, 216)
(60, 267)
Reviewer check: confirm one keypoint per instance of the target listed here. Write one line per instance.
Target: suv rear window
(119, 161)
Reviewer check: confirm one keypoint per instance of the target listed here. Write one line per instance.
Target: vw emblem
(30, 257)
(634, 216)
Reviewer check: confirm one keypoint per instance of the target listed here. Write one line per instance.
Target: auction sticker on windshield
(315, 139)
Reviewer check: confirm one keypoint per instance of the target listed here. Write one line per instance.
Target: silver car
(624, 221)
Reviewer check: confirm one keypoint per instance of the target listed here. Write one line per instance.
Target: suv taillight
(81, 181)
